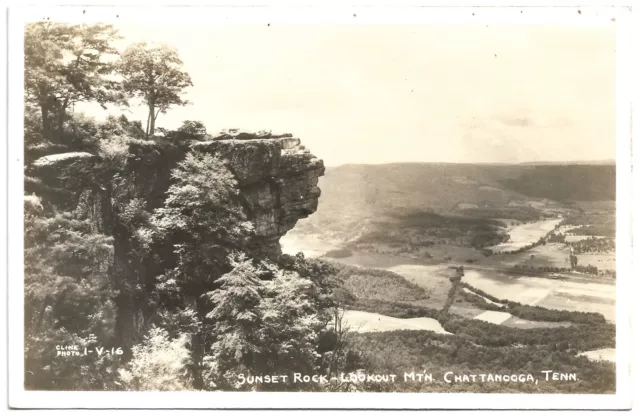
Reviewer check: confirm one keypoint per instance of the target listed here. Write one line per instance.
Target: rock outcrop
(278, 181)
(277, 176)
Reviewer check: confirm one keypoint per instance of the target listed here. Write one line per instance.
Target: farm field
(493, 317)
(358, 321)
(573, 294)
(570, 294)
(601, 261)
(525, 234)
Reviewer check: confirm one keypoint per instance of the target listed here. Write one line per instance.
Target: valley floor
(561, 291)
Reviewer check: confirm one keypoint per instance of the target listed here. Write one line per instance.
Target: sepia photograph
(337, 207)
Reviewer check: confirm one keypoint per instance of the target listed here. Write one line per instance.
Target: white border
(316, 15)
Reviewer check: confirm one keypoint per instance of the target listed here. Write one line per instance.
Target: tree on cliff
(199, 225)
(189, 130)
(66, 64)
(153, 74)
(265, 323)
(202, 220)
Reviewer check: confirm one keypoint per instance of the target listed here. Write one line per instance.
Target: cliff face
(278, 181)
(277, 177)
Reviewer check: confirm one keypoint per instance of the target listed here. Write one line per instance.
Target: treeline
(540, 242)
(544, 269)
(594, 245)
(603, 230)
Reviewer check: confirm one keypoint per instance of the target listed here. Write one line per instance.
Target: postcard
(279, 207)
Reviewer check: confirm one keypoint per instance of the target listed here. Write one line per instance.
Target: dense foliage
(426, 352)
(424, 228)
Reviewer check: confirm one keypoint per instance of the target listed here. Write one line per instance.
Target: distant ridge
(536, 163)
(571, 162)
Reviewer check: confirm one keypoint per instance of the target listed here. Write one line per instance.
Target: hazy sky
(390, 93)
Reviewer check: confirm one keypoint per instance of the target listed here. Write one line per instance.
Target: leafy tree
(574, 261)
(189, 130)
(121, 126)
(290, 324)
(202, 219)
(66, 64)
(237, 346)
(265, 322)
(153, 74)
(192, 235)
(194, 129)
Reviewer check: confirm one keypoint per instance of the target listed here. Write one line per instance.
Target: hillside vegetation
(360, 199)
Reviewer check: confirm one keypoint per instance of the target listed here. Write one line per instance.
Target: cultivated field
(601, 261)
(565, 294)
(525, 234)
(358, 321)
(493, 317)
